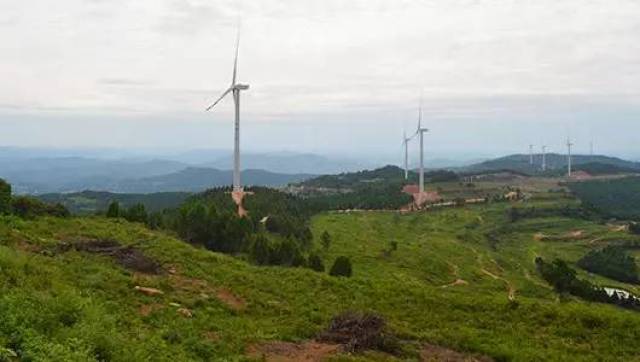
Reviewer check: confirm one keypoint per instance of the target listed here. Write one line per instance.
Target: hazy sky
(334, 76)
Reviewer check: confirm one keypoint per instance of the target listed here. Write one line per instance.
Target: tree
(326, 240)
(316, 263)
(114, 210)
(634, 228)
(260, 250)
(136, 213)
(341, 267)
(5, 197)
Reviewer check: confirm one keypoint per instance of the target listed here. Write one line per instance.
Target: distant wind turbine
(405, 144)
(544, 158)
(531, 155)
(569, 144)
(421, 131)
(235, 89)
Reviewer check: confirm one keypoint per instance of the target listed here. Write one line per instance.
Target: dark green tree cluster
(614, 198)
(371, 196)
(5, 197)
(276, 232)
(564, 280)
(284, 252)
(135, 213)
(613, 262)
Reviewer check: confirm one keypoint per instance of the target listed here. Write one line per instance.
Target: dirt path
(511, 289)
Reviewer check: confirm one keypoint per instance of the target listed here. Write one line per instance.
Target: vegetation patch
(433, 353)
(358, 332)
(127, 256)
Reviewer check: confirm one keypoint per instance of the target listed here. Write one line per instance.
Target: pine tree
(114, 210)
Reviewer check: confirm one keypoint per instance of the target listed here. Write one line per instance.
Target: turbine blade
(219, 99)
(235, 61)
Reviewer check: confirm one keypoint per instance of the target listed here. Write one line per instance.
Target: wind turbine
(421, 131)
(531, 155)
(544, 158)
(569, 144)
(235, 89)
(405, 144)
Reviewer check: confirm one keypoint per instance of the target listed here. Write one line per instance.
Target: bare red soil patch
(432, 353)
(147, 309)
(233, 301)
(293, 352)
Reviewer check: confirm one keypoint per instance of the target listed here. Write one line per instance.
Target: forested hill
(521, 163)
(386, 175)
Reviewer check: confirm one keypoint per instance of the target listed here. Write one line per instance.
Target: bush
(316, 263)
(326, 240)
(341, 267)
(5, 197)
(29, 207)
(634, 228)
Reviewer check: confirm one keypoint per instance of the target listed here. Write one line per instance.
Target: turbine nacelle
(240, 86)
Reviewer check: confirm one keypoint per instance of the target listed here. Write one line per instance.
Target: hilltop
(520, 163)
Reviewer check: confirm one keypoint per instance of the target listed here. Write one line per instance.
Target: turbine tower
(531, 155)
(569, 144)
(235, 89)
(544, 158)
(421, 131)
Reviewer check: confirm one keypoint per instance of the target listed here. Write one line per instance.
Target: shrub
(5, 197)
(634, 228)
(341, 267)
(326, 240)
(316, 263)
(114, 209)
(393, 245)
(28, 207)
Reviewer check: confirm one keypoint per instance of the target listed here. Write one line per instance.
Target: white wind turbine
(544, 158)
(421, 131)
(235, 89)
(405, 145)
(531, 155)
(569, 144)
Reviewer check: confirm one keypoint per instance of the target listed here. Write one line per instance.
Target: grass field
(448, 283)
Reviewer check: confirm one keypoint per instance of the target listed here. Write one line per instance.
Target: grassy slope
(74, 305)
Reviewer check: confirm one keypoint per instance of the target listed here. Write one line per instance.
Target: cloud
(317, 62)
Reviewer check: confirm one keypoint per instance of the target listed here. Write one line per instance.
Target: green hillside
(68, 291)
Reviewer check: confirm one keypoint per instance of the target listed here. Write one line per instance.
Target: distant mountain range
(195, 179)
